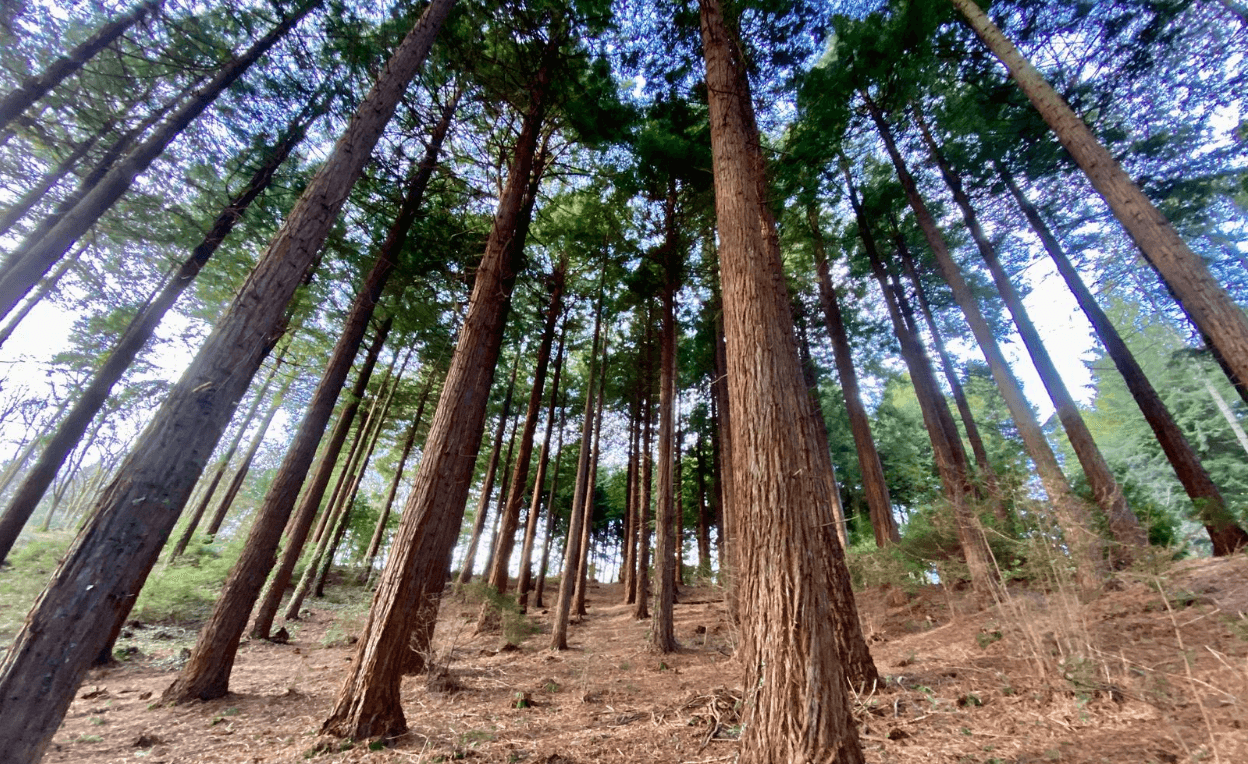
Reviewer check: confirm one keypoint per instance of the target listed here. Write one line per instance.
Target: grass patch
(30, 565)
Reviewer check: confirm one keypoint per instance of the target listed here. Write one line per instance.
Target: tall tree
(798, 710)
(98, 580)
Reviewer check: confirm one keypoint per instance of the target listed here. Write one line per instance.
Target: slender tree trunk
(324, 524)
(46, 286)
(645, 481)
(98, 581)
(704, 515)
(1209, 305)
(874, 485)
(487, 484)
(503, 490)
(987, 475)
(1071, 515)
(374, 544)
(1226, 535)
(576, 514)
(408, 593)
(726, 516)
(524, 584)
(662, 627)
(680, 502)
(632, 480)
(39, 259)
(1122, 522)
(35, 193)
(36, 86)
(505, 539)
(796, 707)
(811, 379)
(552, 515)
(582, 579)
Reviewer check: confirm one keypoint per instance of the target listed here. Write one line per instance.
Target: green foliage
(186, 591)
(28, 568)
(516, 626)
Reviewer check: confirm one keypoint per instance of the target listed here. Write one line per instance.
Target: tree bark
(796, 707)
(37, 86)
(704, 514)
(582, 579)
(99, 579)
(551, 514)
(1071, 515)
(645, 482)
(662, 626)
(17, 280)
(1209, 305)
(811, 379)
(874, 485)
(368, 703)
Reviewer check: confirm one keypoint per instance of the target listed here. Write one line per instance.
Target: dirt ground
(1135, 675)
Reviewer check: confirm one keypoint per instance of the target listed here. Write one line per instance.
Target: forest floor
(1153, 669)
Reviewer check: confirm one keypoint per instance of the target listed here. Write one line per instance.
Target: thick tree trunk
(1213, 311)
(1121, 521)
(874, 485)
(796, 707)
(408, 593)
(37, 86)
(1071, 515)
(17, 280)
(487, 484)
(576, 514)
(99, 579)
(525, 582)
(1210, 506)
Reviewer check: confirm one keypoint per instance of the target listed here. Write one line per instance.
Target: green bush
(186, 591)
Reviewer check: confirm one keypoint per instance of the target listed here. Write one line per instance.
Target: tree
(798, 709)
(96, 583)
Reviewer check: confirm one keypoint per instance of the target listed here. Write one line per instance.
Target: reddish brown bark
(525, 582)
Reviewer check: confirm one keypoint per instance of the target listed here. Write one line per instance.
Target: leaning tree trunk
(1205, 300)
(796, 707)
(374, 544)
(552, 515)
(18, 279)
(874, 485)
(18, 209)
(1227, 536)
(1121, 521)
(1071, 516)
(37, 86)
(202, 506)
(100, 577)
(487, 483)
(368, 703)
(525, 581)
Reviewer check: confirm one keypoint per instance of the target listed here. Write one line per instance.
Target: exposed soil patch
(1134, 675)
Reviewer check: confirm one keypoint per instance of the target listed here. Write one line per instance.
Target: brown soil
(1131, 676)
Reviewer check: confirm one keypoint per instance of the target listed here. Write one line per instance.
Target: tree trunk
(1213, 311)
(374, 544)
(986, 473)
(99, 579)
(35, 194)
(551, 515)
(796, 707)
(704, 515)
(1210, 506)
(368, 703)
(811, 379)
(530, 526)
(1071, 515)
(874, 485)
(582, 579)
(487, 484)
(1122, 522)
(503, 490)
(17, 280)
(631, 503)
(37, 86)
(641, 611)
(662, 626)
(576, 514)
